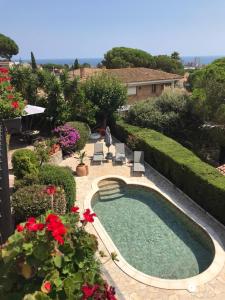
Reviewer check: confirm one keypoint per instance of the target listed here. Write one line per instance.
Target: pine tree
(76, 64)
(33, 62)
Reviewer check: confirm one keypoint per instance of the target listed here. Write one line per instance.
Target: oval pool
(151, 233)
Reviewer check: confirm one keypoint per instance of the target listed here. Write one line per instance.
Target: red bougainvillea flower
(89, 290)
(46, 287)
(10, 96)
(4, 71)
(88, 216)
(15, 104)
(50, 190)
(110, 292)
(74, 209)
(19, 228)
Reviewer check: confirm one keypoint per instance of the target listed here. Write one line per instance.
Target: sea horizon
(202, 60)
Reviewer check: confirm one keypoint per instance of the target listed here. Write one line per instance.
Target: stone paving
(129, 288)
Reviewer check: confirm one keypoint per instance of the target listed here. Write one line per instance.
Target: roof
(128, 75)
(222, 169)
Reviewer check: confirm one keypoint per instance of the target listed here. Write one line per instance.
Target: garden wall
(203, 183)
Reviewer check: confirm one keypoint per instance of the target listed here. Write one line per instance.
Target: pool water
(151, 233)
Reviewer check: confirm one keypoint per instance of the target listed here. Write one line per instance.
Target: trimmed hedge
(33, 201)
(84, 132)
(203, 183)
(24, 162)
(60, 176)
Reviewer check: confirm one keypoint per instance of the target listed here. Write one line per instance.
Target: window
(132, 90)
(153, 88)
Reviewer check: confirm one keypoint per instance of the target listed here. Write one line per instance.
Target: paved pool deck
(128, 288)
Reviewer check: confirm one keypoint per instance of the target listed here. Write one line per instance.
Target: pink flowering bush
(68, 137)
(52, 257)
(11, 103)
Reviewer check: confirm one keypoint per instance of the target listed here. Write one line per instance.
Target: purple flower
(68, 136)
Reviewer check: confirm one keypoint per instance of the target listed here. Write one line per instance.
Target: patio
(127, 287)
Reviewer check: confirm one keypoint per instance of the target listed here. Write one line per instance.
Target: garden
(50, 255)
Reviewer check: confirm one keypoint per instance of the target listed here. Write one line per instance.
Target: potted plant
(81, 169)
(11, 103)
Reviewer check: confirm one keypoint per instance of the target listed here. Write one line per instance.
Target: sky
(89, 28)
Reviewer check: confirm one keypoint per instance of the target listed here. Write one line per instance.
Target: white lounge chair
(139, 161)
(98, 152)
(120, 153)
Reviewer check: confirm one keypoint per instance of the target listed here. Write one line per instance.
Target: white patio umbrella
(108, 141)
(33, 110)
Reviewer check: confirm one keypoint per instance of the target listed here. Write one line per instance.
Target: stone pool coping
(190, 283)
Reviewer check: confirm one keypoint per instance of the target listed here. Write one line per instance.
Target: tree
(33, 62)
(168, 64)
(8, 47)
(106, 93)
(208, 87)
(175, 55)
(76, 64)
(122, 57)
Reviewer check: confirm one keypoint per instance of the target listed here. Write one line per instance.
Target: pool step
(110, 189)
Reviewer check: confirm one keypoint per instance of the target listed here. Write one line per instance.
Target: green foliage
(169, 64)
(42, 150)
(122, 57)
(61, 177)
(171, 113)
(33, 62)
(76, 64)
(24, 162)
(51, 67)
(84, 132)
(208, 86)
(34, 201)
(32, 258)
(175, 55)
(8, 47)
(203, 183)
(107, 93)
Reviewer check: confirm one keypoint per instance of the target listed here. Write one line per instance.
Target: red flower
(4, 71)
(88, 217)
(50, 190)
(19, 228)
(9, 88)
(32, 225)
(52, 217)
(74, 209)
(15, 104)
(41, 226)
(88, 291)
(59, 239)
(10, 96)
(46, 287)
(31, 220)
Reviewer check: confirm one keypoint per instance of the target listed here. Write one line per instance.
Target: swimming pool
(152, 234)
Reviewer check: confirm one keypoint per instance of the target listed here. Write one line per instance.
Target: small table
(95, 136)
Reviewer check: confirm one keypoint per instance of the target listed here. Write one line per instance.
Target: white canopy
(33, 110)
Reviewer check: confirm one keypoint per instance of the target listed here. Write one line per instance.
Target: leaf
(72, 283)
(37, 296)
(41, 251)
(28, 247)
(57, 261)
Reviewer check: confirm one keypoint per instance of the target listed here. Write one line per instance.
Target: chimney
(82, 72)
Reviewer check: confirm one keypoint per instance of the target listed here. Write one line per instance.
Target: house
(141, 83)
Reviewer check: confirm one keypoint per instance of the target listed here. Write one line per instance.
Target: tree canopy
(122, 57)
(208, 87)
(8, 47)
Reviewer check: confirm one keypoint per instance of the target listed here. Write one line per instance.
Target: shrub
(60, 176)
(68, 137)
(24, 162)
(84, 132)
(34, 201)
(203, 183)
(52, 258)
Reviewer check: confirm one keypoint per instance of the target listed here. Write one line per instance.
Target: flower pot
(13, 125)
(82, 170)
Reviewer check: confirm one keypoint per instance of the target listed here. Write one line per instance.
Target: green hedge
(203, 183)
(84, 131)
(24, 162)
(32, 201)
(60, 176)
